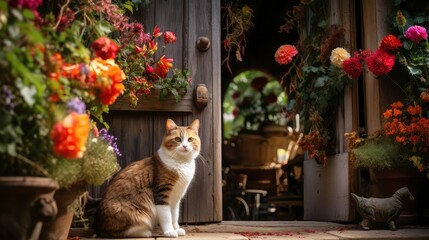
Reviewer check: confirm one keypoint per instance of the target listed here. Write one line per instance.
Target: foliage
(405, 124)
(375, 152)
(252, 99)
(146, 69)
(314, 83)
(55, 90)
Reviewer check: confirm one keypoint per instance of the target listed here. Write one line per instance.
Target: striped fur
(149, 191)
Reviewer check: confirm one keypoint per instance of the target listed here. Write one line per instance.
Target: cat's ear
(195, 125)
(170, 125)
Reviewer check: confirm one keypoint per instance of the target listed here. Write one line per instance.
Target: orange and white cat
(149, 191)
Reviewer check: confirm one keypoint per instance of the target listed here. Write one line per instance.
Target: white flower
(338, 55)
(110, 148)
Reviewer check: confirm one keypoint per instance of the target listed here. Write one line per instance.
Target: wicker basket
(258, 150)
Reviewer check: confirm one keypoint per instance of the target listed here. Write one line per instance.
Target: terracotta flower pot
(58, 228)
(25, 204)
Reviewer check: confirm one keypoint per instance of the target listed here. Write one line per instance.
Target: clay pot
(26, 203)
(58, 228)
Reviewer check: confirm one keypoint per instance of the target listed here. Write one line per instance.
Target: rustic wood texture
(152, 103)
(139, 133)
(327, 188)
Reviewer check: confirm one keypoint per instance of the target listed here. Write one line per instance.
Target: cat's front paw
(171, 234)
(181, 232)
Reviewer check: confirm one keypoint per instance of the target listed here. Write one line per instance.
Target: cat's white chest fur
(185, 170)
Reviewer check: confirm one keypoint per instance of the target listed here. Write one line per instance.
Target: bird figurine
(381, 209)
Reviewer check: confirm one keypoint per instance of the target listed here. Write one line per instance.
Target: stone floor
(286, 230)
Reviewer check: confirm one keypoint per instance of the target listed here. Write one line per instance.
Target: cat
(149, 191)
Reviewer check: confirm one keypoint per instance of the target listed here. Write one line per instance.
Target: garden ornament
(381, 209)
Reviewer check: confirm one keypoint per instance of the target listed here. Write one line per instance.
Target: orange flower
(414, 110)
(70, 135)
(397, 104)
(388, 113)
(163, 66)
(109, 79)
(396, 112)
(400, 139)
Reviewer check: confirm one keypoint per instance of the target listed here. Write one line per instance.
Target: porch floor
(285, 230)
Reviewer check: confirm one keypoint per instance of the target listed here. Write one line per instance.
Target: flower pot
(26, 203)
(58, 228)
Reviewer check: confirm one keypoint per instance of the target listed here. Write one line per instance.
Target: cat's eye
(178, 139)
(190, 139)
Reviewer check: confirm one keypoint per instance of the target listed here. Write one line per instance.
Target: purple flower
(9, 98)
(76, 105)
(416, 33)
(111, 140)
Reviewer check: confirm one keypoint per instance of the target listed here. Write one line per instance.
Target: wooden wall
(140, 132)
(327, 188)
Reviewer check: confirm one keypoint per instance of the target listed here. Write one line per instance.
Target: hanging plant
(239, 22)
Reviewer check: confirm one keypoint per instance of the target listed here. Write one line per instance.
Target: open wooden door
(140, 130)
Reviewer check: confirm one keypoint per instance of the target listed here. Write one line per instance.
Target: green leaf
(408, 45)
(28, 93)
(414, 71)
(420, 19)
(321, 81)
(163, 94)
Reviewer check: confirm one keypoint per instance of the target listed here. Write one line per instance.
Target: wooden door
(140, 130)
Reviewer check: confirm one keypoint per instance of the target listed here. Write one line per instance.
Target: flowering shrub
(315, 76)
(255, 99)
(54, 90)
(406, 124)
(145, 72)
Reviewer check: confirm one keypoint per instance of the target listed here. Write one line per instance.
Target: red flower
(259, 83)
(380, 62)
(169, 37)
(285, 53)
(105, 48)
(353, 66)
(163, 66)
(236, 95)
(271, 98)
(70, 135)
(156, 32)
(390, 43)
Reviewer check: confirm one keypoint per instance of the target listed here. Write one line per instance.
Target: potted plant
(401, 145)
(54, 92)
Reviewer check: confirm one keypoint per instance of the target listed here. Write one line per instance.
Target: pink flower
(169, 37)
(31, 4)
(380, 62)
(416, 33)
(353, 66)
(285, 53)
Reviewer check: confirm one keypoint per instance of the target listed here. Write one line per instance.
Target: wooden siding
(327, 188)
(139, 133)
